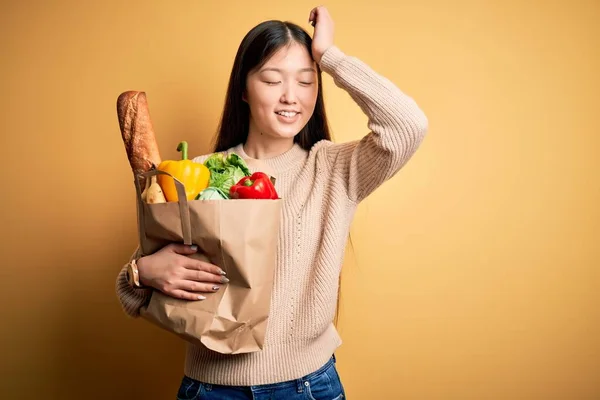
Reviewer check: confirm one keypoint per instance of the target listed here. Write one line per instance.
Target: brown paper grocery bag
(240, 236)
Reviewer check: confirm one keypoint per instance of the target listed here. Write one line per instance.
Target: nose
(289, 95)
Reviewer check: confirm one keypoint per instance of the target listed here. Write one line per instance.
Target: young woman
(274, 115)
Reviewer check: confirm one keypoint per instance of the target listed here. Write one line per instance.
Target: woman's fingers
(199, 287)
(182, 249)
(198, 265)
(312, 17)
(187, 278)
(184, 295)
(197, 279)
(203, 276)
(192, 290)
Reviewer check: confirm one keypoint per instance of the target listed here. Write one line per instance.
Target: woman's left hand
(323, 35)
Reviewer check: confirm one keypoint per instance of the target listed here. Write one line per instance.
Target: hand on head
(323, 35)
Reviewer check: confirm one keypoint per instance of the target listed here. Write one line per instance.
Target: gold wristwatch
(133, 276)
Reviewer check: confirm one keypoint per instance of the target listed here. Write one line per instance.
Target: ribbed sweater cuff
(332, 57)
(131, 299)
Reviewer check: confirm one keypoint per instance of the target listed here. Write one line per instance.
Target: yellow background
(475, 271)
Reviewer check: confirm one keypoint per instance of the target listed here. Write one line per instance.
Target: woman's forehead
(293, 58)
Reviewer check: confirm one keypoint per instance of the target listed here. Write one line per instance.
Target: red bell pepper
(256, 186)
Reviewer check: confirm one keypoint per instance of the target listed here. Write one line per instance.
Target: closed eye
(271, 83)
(306, 83)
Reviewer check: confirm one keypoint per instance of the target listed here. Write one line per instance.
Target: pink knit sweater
(321, 189)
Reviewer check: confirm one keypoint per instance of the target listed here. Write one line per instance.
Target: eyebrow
(308, 69)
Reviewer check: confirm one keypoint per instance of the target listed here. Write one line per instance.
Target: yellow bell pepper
(193, 175)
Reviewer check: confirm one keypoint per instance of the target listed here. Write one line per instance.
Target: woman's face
(283, 93)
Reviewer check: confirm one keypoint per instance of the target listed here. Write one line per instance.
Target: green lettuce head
(225, 171)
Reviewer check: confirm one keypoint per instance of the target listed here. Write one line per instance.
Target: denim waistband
(297, 383)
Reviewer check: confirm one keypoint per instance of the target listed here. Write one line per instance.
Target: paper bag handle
(184, 211)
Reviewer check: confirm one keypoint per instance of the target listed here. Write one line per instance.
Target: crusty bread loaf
(137, 132)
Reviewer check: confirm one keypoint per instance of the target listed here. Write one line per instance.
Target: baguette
(137, 132)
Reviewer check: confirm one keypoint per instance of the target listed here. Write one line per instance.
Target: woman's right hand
(171, 271)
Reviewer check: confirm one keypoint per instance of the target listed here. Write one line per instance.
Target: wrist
(319, 55)
(331, 58)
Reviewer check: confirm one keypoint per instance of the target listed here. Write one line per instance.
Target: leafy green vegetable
(215, 163)
(226, 171)
(236, 160)
(211, 193)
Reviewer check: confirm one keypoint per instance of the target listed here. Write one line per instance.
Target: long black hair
(255, 49)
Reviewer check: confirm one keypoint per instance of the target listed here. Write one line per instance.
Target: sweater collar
(279, 163)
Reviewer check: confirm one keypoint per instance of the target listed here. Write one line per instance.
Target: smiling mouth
(287, 114)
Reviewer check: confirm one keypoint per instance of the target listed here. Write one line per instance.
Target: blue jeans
(323, 384)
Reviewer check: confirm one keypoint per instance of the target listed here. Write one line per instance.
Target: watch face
(130, 275)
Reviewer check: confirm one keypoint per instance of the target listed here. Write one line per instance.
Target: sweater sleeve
(397, 126)
(131, 299)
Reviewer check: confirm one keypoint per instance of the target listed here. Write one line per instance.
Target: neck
(260, 147)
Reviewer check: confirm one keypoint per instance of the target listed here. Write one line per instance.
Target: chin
(285, 133)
